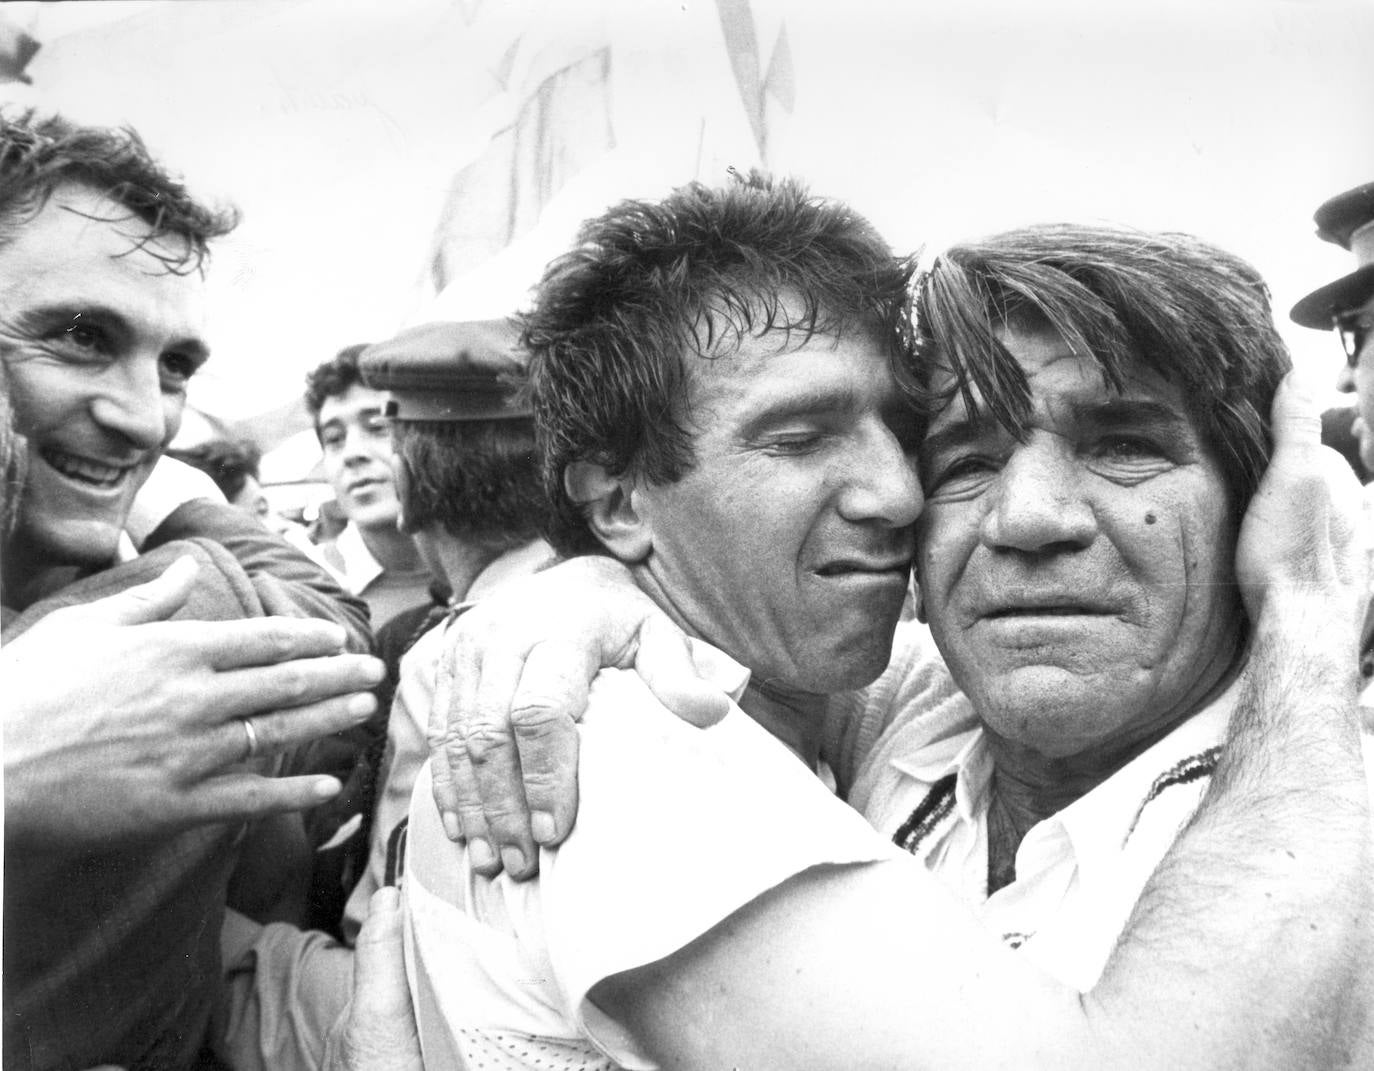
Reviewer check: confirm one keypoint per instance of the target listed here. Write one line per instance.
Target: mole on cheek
(1149, 518)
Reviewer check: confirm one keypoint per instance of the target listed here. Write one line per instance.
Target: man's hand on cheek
(512, 684)
(1302, 553)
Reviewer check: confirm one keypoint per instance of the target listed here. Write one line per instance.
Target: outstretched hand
(514, 680)
(121, 724)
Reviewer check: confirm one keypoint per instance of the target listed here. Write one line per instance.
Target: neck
(796, 718)
(463, 561)
(28, 575)
(394, 550)
(1028, 786)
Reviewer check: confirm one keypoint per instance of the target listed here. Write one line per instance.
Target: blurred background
(399, 161)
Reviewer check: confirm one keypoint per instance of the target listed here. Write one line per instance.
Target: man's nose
(1038, 504)
(882, 483)
(360, 445)
(1345, 379)
(131, 403)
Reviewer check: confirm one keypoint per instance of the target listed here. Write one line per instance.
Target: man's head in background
(1100, 399)
(101, 324)
(233, 465)
(463, 435)
(1347, 304)
(716, 408)
(351, 425)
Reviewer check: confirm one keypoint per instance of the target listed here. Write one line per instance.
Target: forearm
(1268, 891)
(284, 989)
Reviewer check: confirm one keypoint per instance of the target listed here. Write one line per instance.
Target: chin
(844, 671)
(80, 544)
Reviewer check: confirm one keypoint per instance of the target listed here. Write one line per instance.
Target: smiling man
(139, 737)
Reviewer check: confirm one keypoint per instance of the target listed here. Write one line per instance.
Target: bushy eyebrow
(73, 312)
(1099, 415)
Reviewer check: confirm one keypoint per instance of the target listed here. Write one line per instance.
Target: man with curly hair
(371, 556)
(138, 740)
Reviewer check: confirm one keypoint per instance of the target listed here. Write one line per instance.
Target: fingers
(264, 641)
(381, 1033)
(453, 692)
(551, 696)
(280, 729)
(1296, 418)
(488, 766)
(300, 682)
(484, 766)
(664, 661)
(156, 600)
(241, 797)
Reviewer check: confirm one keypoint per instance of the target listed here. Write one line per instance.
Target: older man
(723, 418)
(135, 746)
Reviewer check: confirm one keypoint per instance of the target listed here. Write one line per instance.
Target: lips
(83, 469)
(847, 566)
(364, 484)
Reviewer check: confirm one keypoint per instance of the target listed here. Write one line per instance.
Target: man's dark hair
(228, 462)
(331, 379)
(478, 479)
(12, 460)
(651, 284)
(40, 154)
(1197, 316)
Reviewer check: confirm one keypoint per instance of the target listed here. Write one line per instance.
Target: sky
(338, 126)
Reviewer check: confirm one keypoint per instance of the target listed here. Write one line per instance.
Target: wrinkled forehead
(1061, 382)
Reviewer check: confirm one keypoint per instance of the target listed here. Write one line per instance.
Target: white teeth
(80, 468)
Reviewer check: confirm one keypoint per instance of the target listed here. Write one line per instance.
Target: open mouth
(84, 470)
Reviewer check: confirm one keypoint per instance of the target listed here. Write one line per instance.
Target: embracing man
(716, 383)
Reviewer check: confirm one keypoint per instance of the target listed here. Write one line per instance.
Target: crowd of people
(764, 650)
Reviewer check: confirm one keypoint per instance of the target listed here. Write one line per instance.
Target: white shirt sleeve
(678, 828)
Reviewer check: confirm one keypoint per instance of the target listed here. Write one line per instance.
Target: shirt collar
(360, 567)
(1097, 824)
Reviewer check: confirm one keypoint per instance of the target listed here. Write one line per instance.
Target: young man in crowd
(713, 380)
(468, 487)
(141, 732)
(371, 557)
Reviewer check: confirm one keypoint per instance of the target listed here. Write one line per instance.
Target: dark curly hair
(331, 379)
(40, 154)
(1196, 315)
(652, 284)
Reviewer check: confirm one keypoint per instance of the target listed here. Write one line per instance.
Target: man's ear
(609, 505)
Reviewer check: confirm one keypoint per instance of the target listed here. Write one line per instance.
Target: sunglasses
(1353, 327)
